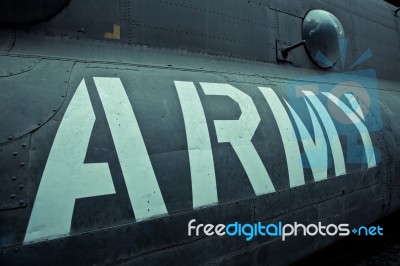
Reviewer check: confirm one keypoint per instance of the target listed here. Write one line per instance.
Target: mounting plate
(279, 56)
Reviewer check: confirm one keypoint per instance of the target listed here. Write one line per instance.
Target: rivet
(39, 123)
(21, 202)
(13, 178)
(22, 164)
(10, 137)
(15, 153)
(21, 186)
(23, 145)
(12, 196)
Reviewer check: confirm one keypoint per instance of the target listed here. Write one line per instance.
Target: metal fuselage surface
(122, 121)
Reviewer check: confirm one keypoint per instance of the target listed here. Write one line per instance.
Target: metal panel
(294, 8)
(12, 65)
(14, 159)
(161, 237)
(213, 27)
(31, 104)
(90, 21)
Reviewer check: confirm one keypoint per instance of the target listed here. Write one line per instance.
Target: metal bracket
(279, 55)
